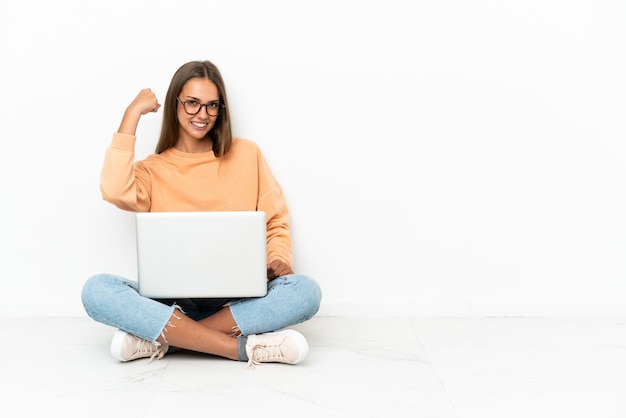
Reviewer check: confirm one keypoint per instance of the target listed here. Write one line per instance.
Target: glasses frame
(206, 106)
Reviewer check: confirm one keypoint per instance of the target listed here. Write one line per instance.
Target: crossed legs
(211, 335)
(231, 332)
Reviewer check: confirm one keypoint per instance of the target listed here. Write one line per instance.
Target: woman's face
(195, 92)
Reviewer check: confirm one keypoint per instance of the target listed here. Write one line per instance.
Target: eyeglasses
(193, 107)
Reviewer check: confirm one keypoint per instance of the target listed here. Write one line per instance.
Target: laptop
(201, 254)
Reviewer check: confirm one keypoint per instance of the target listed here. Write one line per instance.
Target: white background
(438, 157)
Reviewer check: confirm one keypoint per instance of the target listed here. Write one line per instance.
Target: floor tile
(524, 399)
(357, 367)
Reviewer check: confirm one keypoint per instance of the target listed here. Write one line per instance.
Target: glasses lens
(192, 107)
(213, 108)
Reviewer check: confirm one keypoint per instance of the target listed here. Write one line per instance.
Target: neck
(204, 145)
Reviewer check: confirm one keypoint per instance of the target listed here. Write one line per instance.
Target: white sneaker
(126, 347)
(287, 346)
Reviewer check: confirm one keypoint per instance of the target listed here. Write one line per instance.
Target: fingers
(278, 268)
(145, 102)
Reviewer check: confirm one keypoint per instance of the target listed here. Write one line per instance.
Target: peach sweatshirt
(175, 181)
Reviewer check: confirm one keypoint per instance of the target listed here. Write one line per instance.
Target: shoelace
(146, 347)
(264, 353)
(157, 353)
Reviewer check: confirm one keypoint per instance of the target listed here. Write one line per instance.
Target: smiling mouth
(199, 125)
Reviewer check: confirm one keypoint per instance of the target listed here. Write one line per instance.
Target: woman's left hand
(278, 268)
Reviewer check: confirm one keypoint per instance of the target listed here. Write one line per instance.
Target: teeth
(199, 125)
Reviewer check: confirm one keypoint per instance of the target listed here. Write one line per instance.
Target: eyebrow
(200, 101)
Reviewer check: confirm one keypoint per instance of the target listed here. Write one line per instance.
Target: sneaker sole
(300, 341)
(116, 344)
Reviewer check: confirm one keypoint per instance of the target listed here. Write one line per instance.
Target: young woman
(199, 166)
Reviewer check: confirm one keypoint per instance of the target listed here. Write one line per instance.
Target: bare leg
(184, 332)
(222, 321)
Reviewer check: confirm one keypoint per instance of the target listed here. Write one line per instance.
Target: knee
(307, 294)
(97, 290)
(92, 291)
(95, 285)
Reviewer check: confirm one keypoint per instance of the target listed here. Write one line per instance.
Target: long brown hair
(221, 134)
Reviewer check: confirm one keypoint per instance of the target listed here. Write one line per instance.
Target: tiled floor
(357, 367)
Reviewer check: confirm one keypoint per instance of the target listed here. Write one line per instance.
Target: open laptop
(201, 254)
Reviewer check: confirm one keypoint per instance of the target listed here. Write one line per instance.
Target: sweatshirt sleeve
(122, 182)
(272, 202)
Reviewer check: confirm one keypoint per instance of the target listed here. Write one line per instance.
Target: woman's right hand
(145, 102)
